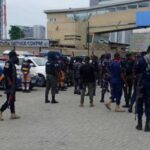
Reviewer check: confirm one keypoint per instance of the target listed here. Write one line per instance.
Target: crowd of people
(125, 75)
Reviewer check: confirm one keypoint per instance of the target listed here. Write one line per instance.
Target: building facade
(35, 32)
(28, 31)
(94, 2)
(117, 37)
(140, 41)
(1, 19)
(73, 26)
(39, 32)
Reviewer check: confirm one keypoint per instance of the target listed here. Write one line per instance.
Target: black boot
(75, 92)
(53, 100)
(101, 101)
(46, 100)
(130, 109)
(147, 125)
(102, 98)
(126, 105)
(139, 125)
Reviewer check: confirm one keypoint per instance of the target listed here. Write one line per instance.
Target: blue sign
(143, 19)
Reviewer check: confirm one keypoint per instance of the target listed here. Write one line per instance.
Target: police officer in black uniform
(87, 77)
(143, 94)
(51, 78)
(10, 83)
(127, 66)
(76, 69)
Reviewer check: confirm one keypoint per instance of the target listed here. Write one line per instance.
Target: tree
(16, 33)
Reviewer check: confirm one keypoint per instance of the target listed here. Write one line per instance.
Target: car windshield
(40, 61)
(21, 61)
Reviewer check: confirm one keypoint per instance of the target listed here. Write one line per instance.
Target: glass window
(121, 8)
(21, 61)
(82, 16)
(101, 11)
(52, 19)
(93, 13)
(71, 16)
(40, 61)
(143, 4)
(111, 9)
(134, 6)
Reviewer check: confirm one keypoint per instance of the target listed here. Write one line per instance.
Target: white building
(38, 32)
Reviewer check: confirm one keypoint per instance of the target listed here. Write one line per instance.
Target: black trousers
(128, 90)
(51, 84)
(10, 103)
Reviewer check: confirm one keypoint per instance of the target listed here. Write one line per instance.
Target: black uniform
(143, 91)
(128, 65)
(10, 84)
(96, 71)
(87, 77)
(51, 80)
(76, 68)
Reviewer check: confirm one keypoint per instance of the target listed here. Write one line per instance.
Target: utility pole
(88, 39)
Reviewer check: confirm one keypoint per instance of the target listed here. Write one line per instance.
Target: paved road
(66, 126)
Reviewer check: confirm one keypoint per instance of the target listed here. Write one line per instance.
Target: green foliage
(16, 33)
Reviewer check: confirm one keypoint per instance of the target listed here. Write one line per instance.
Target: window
(40, 61)
(134, 6)
(80, 16)
(93, 13)
(121, 8)
(52, 19)
(143, 4)
(101, 11)
(111, 9)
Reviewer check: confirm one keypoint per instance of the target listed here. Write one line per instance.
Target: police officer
(116, 83)
(76, 68)
(87, 77)
(127, 66)
(51, 78)
(26, 78)
(10, 81)
(94, 63)
(143, 68)
(106, 76)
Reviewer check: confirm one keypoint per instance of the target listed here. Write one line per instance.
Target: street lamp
(88, 32)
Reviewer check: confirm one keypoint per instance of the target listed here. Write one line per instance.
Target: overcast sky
(30, 12)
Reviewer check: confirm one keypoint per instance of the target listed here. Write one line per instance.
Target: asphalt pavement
(66, 126)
